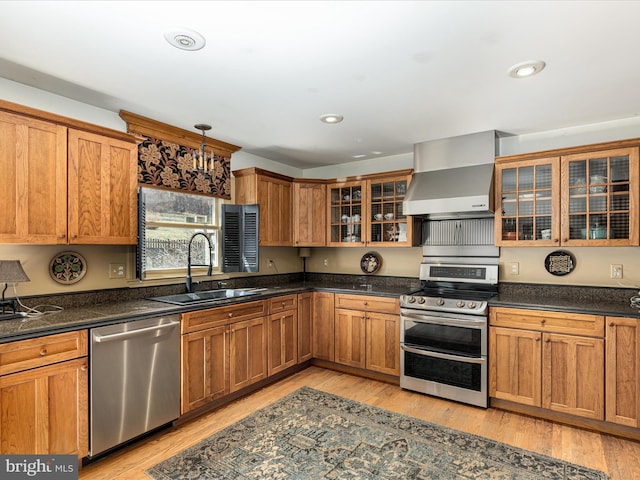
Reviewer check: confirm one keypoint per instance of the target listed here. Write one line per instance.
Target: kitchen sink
(206, 296)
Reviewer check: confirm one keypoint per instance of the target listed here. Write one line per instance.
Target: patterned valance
(165, 164)
(165, 157)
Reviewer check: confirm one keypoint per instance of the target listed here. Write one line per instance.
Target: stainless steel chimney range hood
(453, 177)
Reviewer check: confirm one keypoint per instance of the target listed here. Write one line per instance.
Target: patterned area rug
(315, 435)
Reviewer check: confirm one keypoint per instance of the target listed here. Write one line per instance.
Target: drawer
(285, 302)
(36, 352)
(547, 321)
(368, 303)
(215, 317)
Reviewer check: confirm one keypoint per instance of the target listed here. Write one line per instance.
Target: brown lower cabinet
(323, 333)
(550, 360)
(367, 332)
(282, 334)
(623, 371)
(228, 348)
(43, 395)
(247, 353)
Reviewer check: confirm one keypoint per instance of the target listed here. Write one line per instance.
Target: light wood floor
(617, 457)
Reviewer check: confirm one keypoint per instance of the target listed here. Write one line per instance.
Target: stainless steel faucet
(188, 281)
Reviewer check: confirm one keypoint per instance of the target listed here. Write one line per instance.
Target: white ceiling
(401, 72)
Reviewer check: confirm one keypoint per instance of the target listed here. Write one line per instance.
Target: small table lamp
(304, 253)
(10, 272)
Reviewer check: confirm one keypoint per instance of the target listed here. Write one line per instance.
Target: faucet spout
(189, 282)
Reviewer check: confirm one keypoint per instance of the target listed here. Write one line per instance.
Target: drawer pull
(43, 352)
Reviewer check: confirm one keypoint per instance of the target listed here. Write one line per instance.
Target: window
(168, 220)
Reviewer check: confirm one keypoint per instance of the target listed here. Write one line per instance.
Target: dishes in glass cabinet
(377, 217)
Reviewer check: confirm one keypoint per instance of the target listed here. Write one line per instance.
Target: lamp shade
(11, 272)
(304, 252)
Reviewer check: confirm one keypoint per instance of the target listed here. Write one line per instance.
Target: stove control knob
(440, 302)
(411, 299)
(421, 300)
(472, 304)
(460, 304)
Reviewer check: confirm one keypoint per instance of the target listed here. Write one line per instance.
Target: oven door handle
(443, 356)
(444, 321)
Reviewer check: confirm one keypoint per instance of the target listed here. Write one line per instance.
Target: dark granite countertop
(577, 299)
(76, 317)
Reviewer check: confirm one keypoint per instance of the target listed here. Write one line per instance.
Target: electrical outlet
(326, 262)
(515, 268)
(616, 271)
(270, 263)
(117, 270)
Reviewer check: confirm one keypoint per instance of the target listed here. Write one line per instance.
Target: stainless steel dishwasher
(134, 380)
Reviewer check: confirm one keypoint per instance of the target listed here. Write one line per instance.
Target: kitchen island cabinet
(44, 395)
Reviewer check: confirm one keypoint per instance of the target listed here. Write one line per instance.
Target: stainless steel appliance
(134, 380)
(444, 325)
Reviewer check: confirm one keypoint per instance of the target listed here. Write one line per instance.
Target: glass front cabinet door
(581, 199)
(387, 222)
(601, 197)
(369, 212)
(346, 214)
(528, 202)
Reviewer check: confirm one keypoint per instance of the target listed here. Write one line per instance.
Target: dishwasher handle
(132, 333)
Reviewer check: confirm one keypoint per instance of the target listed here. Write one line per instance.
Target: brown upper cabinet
(369, 211)
(65, 182)
(273, 193)
(571, 197)
(309, 214)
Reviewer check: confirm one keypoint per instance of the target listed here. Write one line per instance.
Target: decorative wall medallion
(68, 268)
(370, 262)
(560, 263)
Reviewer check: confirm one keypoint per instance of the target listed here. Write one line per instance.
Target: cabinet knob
(537, 339)
(230, 314)
(547, 340)
(282, 304)
(611, 324)
(366, 303)
(43, 352)
(62, 235)
(83, 368)
(543, 321)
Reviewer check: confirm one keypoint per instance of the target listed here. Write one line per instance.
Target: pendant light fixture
(201, 161)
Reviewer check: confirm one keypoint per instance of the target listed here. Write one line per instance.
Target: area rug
(314, 435)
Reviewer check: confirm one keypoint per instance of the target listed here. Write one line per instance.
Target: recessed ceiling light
(331, 118)
(185, 39)
(526, 69)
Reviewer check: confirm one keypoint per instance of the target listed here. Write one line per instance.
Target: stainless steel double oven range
(444, 325)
